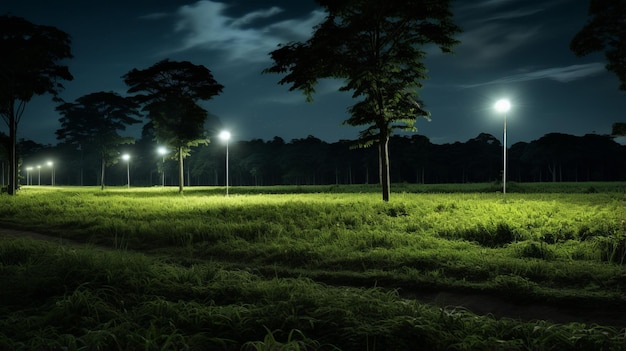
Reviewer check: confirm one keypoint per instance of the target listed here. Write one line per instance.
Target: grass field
(326, 267)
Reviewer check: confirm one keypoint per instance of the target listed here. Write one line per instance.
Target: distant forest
(554, 157)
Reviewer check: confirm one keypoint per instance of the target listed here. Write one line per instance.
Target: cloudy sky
(517, 49)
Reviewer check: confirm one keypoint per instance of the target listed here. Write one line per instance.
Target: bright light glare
(125, 157)
(225, 135)
(503, 105)
(49, 163)
(162, 150)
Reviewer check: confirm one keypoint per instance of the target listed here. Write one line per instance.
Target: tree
(605, 31)
(92, 124)
(619, 129)
(171, 90)
(376, 47)
(29, 56)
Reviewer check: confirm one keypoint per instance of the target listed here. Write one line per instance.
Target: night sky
(517, 49)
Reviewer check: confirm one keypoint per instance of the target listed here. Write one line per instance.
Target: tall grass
(321, 269)
(134, 301)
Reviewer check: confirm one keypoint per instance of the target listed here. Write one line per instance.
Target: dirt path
(26, 234)
(501, 308)
(477, 303)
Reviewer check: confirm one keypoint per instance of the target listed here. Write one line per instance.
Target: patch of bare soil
(501, 308)
(26, 234)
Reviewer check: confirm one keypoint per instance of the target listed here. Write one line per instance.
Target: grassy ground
(310, 267)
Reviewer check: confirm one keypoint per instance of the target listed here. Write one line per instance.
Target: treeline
(554, 157)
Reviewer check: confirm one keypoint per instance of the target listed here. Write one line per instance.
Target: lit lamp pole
(38, 174)
(503, 106)
(225, 135)
(51, 164)
(126, 157)
(162, 151)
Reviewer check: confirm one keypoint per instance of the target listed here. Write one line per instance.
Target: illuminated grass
(260, 270)
(86, 298)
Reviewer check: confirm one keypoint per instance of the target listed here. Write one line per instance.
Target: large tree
(169, 92)
(29, 66)
(605, 31)
(92, 124)
(377, 48)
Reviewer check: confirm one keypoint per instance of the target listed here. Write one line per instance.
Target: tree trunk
(13, 156)
(384, 164)
(103, 165)
(181, 170)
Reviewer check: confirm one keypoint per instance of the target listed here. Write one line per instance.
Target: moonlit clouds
(249, 18)
(205, 25)
(494, 29)
(560, 74)
(492, 42)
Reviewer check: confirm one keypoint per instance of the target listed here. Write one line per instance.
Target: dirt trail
(477, 303)
(501, 308)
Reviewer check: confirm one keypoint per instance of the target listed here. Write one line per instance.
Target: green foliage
(605, 32)
(309, 271)
(29, 66)
(92, 124)
(377, 48)
(169, 91)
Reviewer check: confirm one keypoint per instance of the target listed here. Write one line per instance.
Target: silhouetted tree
(29, 56)
(93, 122)
(605, 31)
(482, 157)
(377, 48)
(4, 156)
(619, 129)
(170, 91)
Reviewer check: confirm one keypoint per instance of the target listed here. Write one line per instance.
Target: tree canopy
(93, 122)
(377, 48)
(619, 129)
(169, 92)
(605, 31)
(29, 66)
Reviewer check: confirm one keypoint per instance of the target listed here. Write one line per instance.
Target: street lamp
(225, 135)
(503, 106)
(126, 157)
(51, 164)
(38, 174)
(162, 151)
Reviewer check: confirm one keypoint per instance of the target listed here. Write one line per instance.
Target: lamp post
(51, 164)
(38, 174)
(162, 151)
(225, 135)
(503, 106)
(126, 157)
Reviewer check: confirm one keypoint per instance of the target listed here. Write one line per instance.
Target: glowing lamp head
(225, 135)
(125, 157)
(503, 105)
(50, 163)
(162, 150)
